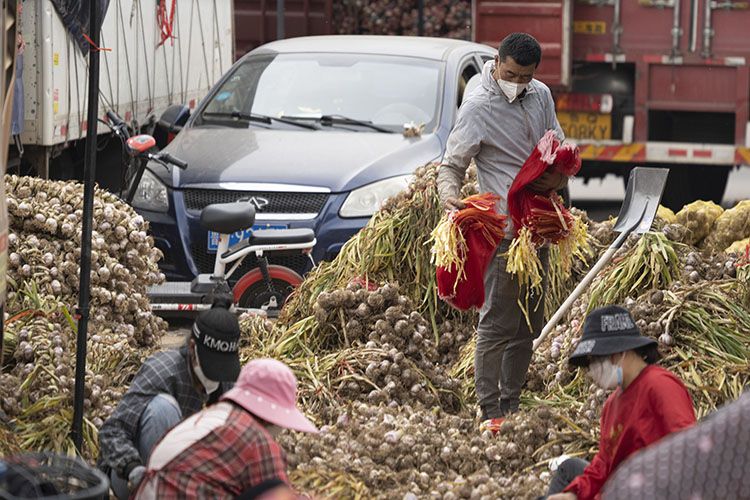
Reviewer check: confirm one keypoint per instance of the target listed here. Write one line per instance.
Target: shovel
(638, 210)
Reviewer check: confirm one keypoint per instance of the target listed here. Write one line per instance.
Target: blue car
(311, 131)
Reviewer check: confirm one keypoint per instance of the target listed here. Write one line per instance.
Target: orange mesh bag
(464, 243)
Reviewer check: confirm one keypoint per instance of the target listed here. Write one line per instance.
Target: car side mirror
(170, 123)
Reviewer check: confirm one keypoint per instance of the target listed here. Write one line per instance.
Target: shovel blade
(642, 197)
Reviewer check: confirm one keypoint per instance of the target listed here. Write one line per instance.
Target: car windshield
(387, 91)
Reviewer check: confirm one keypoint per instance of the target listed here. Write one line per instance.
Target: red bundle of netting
(744, 261)
(165, 19)
(464, 243)
(544, 214)
(541, 218)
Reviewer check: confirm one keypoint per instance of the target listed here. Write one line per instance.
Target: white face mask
(606, 374)
(510, 89)
(208, 384)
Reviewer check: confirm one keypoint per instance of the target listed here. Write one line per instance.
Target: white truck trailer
(141, 75)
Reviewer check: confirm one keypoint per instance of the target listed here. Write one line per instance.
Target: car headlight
(365, 201)
(151, 194)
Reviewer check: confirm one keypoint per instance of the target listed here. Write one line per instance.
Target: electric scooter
(260, 291)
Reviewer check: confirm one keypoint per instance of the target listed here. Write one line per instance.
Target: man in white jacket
(498, 125)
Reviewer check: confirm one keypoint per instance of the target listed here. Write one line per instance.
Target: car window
(237, 92)
(386, 90)
(469, 70)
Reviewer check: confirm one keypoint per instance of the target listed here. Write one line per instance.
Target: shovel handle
(582, 286)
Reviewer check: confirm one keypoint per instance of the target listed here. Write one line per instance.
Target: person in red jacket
(648, 403)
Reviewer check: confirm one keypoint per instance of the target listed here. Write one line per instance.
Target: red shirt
(655, 404)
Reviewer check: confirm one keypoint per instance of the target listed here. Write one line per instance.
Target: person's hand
(135, 477)
(563, 496)
(549, 181)
(281, 492)
(452, 203)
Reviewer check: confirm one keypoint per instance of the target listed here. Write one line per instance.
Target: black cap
(608, 330)
(216, 333)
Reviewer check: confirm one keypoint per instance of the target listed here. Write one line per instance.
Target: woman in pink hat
(229, 448)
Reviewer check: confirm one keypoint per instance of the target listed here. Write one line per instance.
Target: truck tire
(710, 182)
(678, 192)
(688, 183)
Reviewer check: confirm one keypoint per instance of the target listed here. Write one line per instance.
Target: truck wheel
(678, 192)
(688, 183)
(710, 182)
(250, 291)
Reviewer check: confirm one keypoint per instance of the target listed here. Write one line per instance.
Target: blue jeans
(161, 414)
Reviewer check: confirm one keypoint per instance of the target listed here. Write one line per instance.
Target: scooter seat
(262, 237)
(227, 218)
(282, 236)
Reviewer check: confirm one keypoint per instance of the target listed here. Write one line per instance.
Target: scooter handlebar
(168, 158)
(119, 127)
(115, 119)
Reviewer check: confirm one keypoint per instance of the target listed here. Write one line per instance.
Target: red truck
(256, 22)
(637, 82)
(643, 82)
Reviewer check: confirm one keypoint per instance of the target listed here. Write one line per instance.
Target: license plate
(590, 126)
(234, 238)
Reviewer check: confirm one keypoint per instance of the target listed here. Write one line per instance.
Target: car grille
(294, 260)
(278, 203)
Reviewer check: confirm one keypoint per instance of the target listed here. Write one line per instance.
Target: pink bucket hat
(268, 388)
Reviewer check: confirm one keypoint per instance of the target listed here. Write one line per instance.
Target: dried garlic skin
(36, 388)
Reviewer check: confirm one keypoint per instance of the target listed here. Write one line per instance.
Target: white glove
(135, 477)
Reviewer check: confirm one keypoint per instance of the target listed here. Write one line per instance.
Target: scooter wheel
(251, 291)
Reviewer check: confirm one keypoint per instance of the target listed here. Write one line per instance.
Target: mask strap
(197, 360)
(195, 355)
(619, 369)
